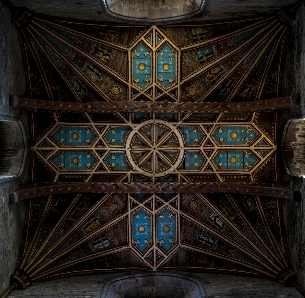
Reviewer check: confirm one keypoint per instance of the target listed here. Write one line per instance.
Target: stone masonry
(214, 286)
(12, 81)
(293, 84)
(94, 10)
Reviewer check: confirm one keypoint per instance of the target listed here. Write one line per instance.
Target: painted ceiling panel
(157, 148)
(217, 61)
(225, 228)
(77, 62)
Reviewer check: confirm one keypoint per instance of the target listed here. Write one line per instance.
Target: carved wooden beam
(35, 191)
(150, 106)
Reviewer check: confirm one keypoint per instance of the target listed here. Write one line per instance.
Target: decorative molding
(35, 105)
(35, 191)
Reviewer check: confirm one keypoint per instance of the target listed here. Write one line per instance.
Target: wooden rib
(97, 255)
(258, 24)
(282, 231)
(54, 258)
(164, 138)
(164, 158)
(229, 72)
(91, 38)
(86, 271)
(230, 53)
(268, 251)
(145, 158)
(112, 73)
(144, 139)
(61, 220)
(229, 259)
(226, 239)
(71, 65)
(25, 233)
(238, 231)
(41, 70)
(74, 227)
(254, 63)
(271, 60)
(34, 240)
(270, 234)
(57, 69)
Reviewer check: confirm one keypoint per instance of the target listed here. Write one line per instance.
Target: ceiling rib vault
(154, 147)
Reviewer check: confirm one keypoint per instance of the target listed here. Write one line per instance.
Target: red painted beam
(35, 191)
(150, 106)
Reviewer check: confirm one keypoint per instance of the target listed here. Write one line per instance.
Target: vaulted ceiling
(82, 62)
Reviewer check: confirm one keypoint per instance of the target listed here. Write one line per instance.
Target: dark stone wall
(95, 11)
(207, 285)
(294, 63)
(12, 81)
(157, 10)
(293, 84)
(12, 148)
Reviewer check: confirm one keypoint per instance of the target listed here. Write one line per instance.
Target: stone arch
(12, 148)
(154, 285)
(153, 11)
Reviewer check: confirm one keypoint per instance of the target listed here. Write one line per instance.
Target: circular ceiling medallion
(155, 148)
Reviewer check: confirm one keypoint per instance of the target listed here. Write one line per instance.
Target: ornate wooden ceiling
(227, 61)
(236, 61)
(217, 150)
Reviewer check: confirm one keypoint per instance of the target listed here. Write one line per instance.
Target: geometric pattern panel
(158, 148)
(154, 67)
(154, 227)
(102, 232)
(223, 62)
(74, 136)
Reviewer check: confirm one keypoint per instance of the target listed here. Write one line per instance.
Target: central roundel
(155, 148)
